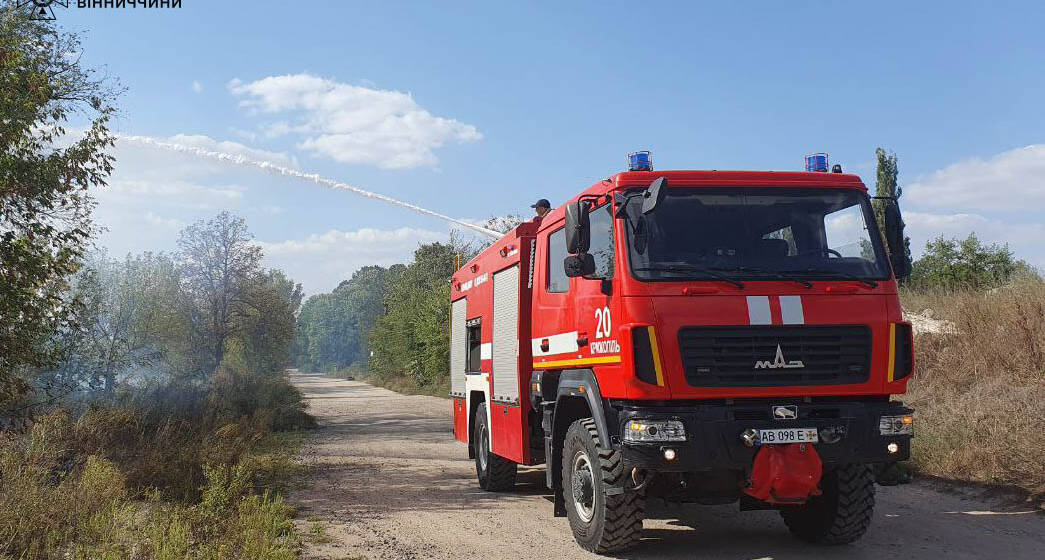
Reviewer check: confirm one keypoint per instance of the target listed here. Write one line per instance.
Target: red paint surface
(786, 474)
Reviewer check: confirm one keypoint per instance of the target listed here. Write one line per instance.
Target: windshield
(755, 233)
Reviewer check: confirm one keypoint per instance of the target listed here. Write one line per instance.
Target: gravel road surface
(387, 481)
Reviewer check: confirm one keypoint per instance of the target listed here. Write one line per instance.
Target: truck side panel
(496, 285)
(458, 348)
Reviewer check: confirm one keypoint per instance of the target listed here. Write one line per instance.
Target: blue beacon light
(640, 161)
(816, 162)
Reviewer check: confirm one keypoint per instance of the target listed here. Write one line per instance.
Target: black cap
(542, 203)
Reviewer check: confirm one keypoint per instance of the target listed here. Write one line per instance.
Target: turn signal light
(896, 425)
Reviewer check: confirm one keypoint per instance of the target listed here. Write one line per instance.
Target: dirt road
(389, 482)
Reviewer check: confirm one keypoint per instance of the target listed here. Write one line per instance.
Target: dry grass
(169, 473)
(404, 384)
(980, 393)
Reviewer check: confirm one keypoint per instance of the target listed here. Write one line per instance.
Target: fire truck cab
(702, 336)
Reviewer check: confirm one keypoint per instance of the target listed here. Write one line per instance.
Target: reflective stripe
(791, 310)
(485, 351)
(557, 344)
(892, 351)
(579, 362)
(656, 356)
(758, 310)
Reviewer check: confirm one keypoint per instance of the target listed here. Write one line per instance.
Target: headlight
(637, 431)
(896, 425)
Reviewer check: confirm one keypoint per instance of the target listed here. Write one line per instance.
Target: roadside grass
(140, 478)
(980, 391)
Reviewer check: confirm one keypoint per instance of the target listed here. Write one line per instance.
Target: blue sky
(477, 109)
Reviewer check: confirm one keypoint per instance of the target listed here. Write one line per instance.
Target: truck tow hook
(750, 437)
(640, 478)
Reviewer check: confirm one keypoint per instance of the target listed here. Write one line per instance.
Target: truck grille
(728, 356)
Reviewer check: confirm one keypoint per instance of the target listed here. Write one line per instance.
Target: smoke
(315, 178)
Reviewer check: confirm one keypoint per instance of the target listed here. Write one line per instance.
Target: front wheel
(842, 513)
(495, 473)
(600, 522)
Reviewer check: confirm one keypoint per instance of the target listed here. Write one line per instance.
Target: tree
(265, 321)
(411, 338)
(886, 186)
(219, 262)
(45, 177)
(967, 263)
(137, 318)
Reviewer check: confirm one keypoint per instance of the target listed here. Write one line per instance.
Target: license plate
(788, 435)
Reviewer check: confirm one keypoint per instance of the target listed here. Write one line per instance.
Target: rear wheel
(842, 513)
(600, 522)
(495, 473)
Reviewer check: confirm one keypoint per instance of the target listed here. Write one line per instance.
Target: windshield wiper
(842, 275)
(682, 268)
(804, 283)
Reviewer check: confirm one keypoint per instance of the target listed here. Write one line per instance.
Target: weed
(980, 391)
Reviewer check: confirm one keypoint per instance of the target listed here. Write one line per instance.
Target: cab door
(554, 338)
(596, 306)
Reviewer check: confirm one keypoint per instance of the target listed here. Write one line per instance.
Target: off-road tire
(616, 520)
(495, 473)
(842, 514)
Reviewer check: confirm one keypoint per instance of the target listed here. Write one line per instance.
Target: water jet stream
(288, 172)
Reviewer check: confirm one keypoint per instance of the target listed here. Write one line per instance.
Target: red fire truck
(701, 336)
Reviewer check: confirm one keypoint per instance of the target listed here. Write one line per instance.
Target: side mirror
(654, 194)
(579, 265)
(578, 228)
(894, 239)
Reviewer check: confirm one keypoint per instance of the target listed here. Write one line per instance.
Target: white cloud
(352, 124)
(1024, 238)
(322, 260)
(197, 87)
(999, 198)
(170, 223)
(175, 188)
(1009, 181)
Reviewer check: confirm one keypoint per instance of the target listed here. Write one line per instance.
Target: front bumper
(713, 432)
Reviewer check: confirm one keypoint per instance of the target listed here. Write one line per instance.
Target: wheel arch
(577, 397)
(475, 398)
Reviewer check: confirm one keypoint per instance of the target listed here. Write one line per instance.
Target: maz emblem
(785, 412)
(779, 362)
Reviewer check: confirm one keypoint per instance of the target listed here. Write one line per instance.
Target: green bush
(966, 264)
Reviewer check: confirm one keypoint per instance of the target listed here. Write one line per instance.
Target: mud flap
(785, 474)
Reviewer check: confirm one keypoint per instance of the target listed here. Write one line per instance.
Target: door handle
(544, 345)
(582, 340)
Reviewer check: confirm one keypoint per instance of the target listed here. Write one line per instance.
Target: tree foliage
(332, 328)
(152, 318)
(966, 263)
(412, 339)
(45, 177)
